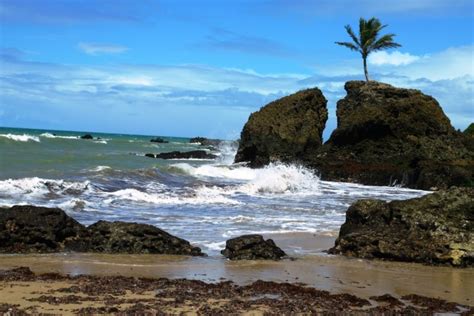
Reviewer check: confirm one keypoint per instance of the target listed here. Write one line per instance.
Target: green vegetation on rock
(369, 40)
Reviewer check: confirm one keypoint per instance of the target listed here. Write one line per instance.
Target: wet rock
(87, 136)
(435, 229)
(387, 135)
(194, 154)
(197, 139)
(252, 247)
(288, 129)
(122, 237)
(150, 155)
(159, 140)
(26, 229)
(206, 141)
(32, 229)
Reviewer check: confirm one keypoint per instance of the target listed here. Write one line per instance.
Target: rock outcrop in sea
(203, 141)
(286, 130)
(252, 247)
(32, 229)
(193, 154)
(159, 140)
(384, 136)
(387, 135)
(87, 136)
(435, 229)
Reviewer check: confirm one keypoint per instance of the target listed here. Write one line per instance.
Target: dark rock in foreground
(25, 228)
(387, 135)
(122, 237)
(87, 136)
(194, 154)
(159, 140)
(252, 247)
(435, 229)
(287, 129)
(31, 229)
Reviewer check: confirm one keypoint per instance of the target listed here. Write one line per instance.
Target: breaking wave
(21, 138)
(49, 135)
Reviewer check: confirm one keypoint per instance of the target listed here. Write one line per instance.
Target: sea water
(203, 201)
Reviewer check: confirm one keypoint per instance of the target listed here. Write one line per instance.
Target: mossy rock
(437, 228)
(284, 130)
(388, 135)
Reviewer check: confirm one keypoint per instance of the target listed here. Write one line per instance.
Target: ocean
(203, 201)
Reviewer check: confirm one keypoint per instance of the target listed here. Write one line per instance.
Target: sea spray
(21, 138)
(205, 202)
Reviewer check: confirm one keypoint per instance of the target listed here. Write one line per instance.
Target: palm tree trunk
(366, 73)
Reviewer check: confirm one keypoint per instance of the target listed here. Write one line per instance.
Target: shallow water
(205, 202)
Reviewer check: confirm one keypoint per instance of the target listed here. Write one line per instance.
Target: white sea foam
(100, 168)
(279, 178)
(21, 138)
(274, 178)
(38, 186)
(100, 141)
(216, 246)
(74, 205)
(201, 196)
(49, 135)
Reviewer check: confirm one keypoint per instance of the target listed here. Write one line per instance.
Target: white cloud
(98, 48)
(395, 58)
(451, 63)
(446, 75)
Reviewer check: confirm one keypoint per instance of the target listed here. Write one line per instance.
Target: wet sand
(335, 274)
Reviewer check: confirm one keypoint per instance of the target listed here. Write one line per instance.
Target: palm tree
(369, 40)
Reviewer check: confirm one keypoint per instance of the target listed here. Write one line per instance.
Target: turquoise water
(29, 152)
(203, 201)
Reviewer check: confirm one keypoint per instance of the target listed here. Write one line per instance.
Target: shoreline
(336, 274)
(24, 292)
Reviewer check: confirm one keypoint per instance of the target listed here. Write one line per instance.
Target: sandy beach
(335, 274)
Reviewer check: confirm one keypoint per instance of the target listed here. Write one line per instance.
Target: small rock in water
(159, 140)
(252, 247)
(194, 154)
(87, 136)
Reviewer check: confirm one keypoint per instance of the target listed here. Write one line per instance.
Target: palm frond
(352, 35)
(384, 42)
(348, 45)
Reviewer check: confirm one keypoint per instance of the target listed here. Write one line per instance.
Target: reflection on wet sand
(333, 273)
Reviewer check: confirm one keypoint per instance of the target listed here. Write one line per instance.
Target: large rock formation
(31, 229)
(252, 247)
(287, 129)
(435, 229)
(387, 135)
(469, 130)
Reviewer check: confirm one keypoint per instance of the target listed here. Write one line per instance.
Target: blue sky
(187, 68)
